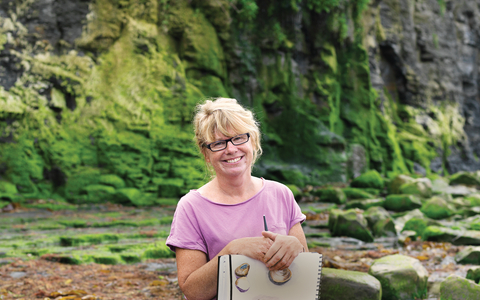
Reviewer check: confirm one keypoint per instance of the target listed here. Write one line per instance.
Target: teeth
(233, 160)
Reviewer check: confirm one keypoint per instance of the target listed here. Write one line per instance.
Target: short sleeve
(296, 216)
(185, 232)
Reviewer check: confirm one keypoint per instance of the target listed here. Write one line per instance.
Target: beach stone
(437, 208)
(332, 195)
(402, 202)
(455, 287)
(365, 203)
(380, 222)
(346, 285)
(454, 236)
(474, 274)
(350, 223)
(397, 182)
(402, 277)
(466, 178)
(421, 187)
(469, 255)
(369, 179)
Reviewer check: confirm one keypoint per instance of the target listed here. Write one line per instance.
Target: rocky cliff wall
(99, 94)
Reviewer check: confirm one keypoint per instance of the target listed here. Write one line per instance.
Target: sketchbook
(244, 278)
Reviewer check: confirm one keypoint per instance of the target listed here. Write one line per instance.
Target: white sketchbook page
(302, 285)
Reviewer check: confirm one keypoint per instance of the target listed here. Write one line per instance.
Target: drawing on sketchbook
(280, 277)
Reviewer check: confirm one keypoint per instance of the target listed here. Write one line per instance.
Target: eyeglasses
(236, 140)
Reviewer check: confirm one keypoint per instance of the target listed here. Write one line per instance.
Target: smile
(234, 160)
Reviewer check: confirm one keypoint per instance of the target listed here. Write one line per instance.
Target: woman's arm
(285, 247)
(197, 278)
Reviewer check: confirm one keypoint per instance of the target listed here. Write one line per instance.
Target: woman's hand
(254, 247)
(282, 252)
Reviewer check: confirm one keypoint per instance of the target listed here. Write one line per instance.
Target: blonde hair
(223, 115)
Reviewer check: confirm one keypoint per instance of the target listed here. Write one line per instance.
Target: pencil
(265, 223)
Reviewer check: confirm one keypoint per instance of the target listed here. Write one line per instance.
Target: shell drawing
(242, 270)
(280, 277)
(242, 284)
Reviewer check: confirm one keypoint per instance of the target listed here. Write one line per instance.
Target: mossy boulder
(369, 179)
(416, 224)
(8, 191)
(474, 274)
(402, 277)
(357, 193)
(159, 250)
(380, 222)
(78, 181)
(169, 187)
(397, 182)
(421, 187)
(297, 193)
(402, 202)
(112, 180)
(465, 178)
(331, 194)
(98, 193)
(455, 287)
(437, 208)
(468, 255)
(128, 196)
(365, 203)
(351, 223)
(473, 200)
(454, 236)
(346, 285)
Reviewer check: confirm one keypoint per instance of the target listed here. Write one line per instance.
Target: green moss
(402, 202)
(369, 179)
(88, 239)
(159, 250)
(333, 195)
(357, 193)
(417, 225)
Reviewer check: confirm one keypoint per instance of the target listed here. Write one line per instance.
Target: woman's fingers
(282, 253)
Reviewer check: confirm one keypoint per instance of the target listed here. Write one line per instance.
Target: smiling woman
(225, 216)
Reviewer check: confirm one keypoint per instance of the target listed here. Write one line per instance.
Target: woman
(225, 216)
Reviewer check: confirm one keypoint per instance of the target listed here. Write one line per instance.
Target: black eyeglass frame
(208, 146)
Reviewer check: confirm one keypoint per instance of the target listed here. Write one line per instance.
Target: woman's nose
(231, 146)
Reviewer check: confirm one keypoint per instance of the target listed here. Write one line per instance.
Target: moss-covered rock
(437, 208)
(353, 224)
(129, 196)
(474, 274)
(365, 203)
(458, 288)
(344, 285)
(357, 193)
(401, 277)
(402, 202)
(112, 180)
(297, 193)
(332, 195)
(98, 193)
(454, 236)
(468, 255)
(380, 222)
(416, 224)
(397, 182)
(465, 178)
(421, 187)
(369, 179)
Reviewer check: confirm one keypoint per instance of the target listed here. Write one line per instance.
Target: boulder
(437, 208)
(474, 274)
(397, 182)
(112, 180)
(332, 195)
(418, 225)
(455, 287)
(469, 255)
(357, 193)
(297, 193)
(402, 202)
(351, 223)
(369, 179)
(454, 236)
(473, 200)
(365, 203)
(466, 178)
(347, 285)
(400, 221)
(128, 196)
(380, 222)
(401, 277)
(97, 193)
(421, 187)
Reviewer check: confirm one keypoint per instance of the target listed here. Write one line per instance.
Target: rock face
(402, 277)
(341, 284)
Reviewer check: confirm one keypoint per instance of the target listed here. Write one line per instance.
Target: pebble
(17, 275)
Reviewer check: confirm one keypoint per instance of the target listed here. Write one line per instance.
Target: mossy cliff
(96, 97)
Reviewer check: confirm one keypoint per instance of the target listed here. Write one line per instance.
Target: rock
(365, 203)
(397, 182)
(454, 236)
(128, 196)
(474, 274)
(473, 200)
(402, 202)
(458, 288)
(350, 223)
(346, 285)
(466, 178)
(17, 275)
(421, 187)
(406, 235)
(469, 255)
(380, 222)
(297, 193)
(437, 208)
(333, 195)
(357, 161)
(112, 180)
(98, 193)
(418, 225)
(400, 221)
(369, 179)
(357, 193)
(402, 277)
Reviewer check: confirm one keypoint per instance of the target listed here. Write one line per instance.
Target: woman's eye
(217, 144)
(237, 139)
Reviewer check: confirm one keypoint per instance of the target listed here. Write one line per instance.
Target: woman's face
(233, 160)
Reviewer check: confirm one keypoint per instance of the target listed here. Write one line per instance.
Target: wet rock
(350, 223)
(397, 182)
(402, 277)
(357, 193)
(369, 179)
(400, 221)
(128, 196)
(466, 178)
(421, 187)
(402, 202)
(380, 222)
(365, 203)
(473, 200)
(98, 193)
(474, 274)
(437, 208)
(458, 288)
(357, 161)
(333, 195)
(454, 236)
(469, 255)
(418, 225)
(112, 180)
(17, 275)
(347, 285)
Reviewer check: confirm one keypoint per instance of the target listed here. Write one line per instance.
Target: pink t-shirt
(201, 224)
